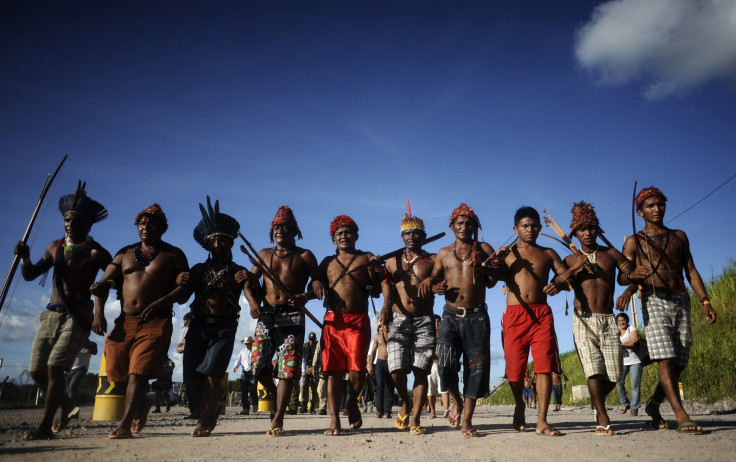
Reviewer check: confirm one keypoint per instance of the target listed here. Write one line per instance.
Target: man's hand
(370, 369)
(99, 325)
(710, 314)
(319, 290)
(552, 288)
(22, 250)
(100, 288)
(640, 273)
(255, 311)
(578, 261)
(386, 316)
(622, 302)
(440, 288)
(184, 279)
(242, 276)
(152, 310)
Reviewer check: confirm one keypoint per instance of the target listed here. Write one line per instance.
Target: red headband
(156, 212)
(342, 220)
(463, 209)
(284, 215)
(646, 193)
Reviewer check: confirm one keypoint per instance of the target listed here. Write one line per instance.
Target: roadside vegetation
(711, 374)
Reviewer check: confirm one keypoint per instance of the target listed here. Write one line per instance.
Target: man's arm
(237, 363)
(489, 272)
(432, 283)
(99, 323)
(252, 293)
(101, 288)
(564, 278)
(371, 354)
(31, 271)
(387, 290)
(696, 282)
(316, 285)
(179, 294)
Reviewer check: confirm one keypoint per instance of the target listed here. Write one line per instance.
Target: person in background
(629, 336)
(248, 382)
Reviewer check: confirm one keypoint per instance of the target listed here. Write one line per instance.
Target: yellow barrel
(265, 400)
(110, 398)
(222, 400)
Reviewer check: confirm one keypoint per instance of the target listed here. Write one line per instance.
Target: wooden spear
(16, 260)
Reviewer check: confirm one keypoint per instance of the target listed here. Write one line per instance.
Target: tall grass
(711, 373)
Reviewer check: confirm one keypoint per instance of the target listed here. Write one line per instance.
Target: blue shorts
(527, 393)
(468, 336)
(556, 394)
(209, 345)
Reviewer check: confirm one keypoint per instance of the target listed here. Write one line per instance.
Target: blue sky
(353, 107)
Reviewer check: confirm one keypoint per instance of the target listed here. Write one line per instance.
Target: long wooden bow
(16, 260)
(556, 228)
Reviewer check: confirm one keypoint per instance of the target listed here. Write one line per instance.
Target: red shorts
(529, 327)
(346, 338)
(135, 347)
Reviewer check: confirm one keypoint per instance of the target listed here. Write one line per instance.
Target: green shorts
(58, 340)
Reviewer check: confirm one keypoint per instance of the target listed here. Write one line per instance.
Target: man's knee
(39, 376)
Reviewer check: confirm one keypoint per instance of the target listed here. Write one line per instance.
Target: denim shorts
(468, 336)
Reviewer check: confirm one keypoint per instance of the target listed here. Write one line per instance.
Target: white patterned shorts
(667, 322)
(411, 342)
(597, 340)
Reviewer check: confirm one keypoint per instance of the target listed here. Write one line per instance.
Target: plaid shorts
(411, 342)
(58, 340)
(667, 322)
(598, 344)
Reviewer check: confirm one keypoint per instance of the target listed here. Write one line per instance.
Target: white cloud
(673, 45)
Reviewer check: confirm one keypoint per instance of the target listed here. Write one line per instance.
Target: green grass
(710, 375)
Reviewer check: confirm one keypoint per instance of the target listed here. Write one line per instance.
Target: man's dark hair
(623, 315)
(437, 317)
(526, 212)
(188, 316)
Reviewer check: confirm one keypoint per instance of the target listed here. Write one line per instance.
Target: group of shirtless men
(151, 275)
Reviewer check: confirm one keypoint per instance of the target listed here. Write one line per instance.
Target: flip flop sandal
(401, 421)
(689, 432)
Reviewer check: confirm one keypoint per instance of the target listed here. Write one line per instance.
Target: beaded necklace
(69, 247)
(142, 259)
(465, 258)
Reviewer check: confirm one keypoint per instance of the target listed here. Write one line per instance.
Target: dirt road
(236, 437)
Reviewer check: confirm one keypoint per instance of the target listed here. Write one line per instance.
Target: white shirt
(183, 335)
(243, 359)
(82, 359)
(629, 355)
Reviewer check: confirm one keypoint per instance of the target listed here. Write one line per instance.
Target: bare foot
(38, 434)
(519, 422)
(548, 431)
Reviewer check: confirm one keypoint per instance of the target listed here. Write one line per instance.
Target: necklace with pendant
(410, 265)
(591, 265)
(217, 279)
